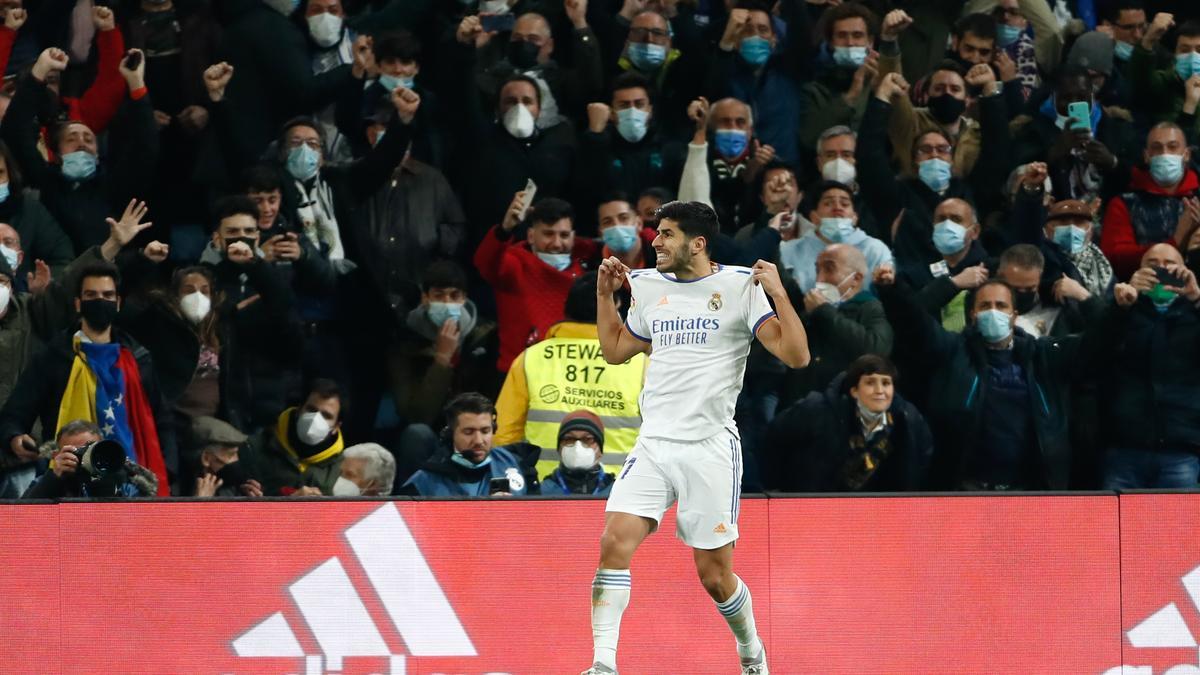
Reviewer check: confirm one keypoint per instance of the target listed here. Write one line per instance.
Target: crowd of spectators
(346, 247)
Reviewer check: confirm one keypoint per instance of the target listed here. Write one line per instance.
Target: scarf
(282, 427)
(1094, 268)
(318, 222)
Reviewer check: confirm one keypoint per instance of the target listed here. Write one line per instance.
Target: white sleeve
(758, 308)
(635, 322)
(694, 185)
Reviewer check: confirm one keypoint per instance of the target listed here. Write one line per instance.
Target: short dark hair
(695, 219)
(301, 121)
(1024, 256)
(79, 426)
(97, 269)
(868, 364)
(1190, 28)
(443, 274)
(472, 403)
(848, 10)
(631, 80)
(950, 65)
(233, 205)
(818, 191)
(994, 281)
(1110, 11)
(978, 24)
(615, 196)
(518, 77)
(326, 389)
(400, 45)
(551, 210)
(754, 6)
(262, 178)
(662, 194)
(581, 300)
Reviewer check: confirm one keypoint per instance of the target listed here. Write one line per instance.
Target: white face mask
(326, 29)
(839, 170)
(578, 456)
(312, 428)
(11, 256)
(195, 306)
(5, 296)
(832, 292)
(519, 121)
(344, 487)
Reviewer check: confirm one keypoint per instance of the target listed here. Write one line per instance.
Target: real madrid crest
(714, 303)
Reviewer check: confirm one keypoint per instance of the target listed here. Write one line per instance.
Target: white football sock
(738, 611)
(610, 597)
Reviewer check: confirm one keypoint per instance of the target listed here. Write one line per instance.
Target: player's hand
(766, 275)
(610, 277)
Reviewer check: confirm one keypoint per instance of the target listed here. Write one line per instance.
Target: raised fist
(49, 61)
(103, 18)
(598, 115)
(216, 78)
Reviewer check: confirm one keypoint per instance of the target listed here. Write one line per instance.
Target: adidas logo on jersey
(720, 529)
(662, 301)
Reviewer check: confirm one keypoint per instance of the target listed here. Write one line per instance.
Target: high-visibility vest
(567, 374)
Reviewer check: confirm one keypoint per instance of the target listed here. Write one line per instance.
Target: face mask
(458, 459)
(1166, 170)
(519, 122)
(493, 7)
(4, 192)
(195, 306)
(10, 257)
(578, 457)
(390, 82)
(755, 50)
(731, 143)
(839, 170)
(1122, 50)
(98, 313)
(312, 428)
(441, 312)
(5, 296)
(1070, 238)
(949, 237)
(620, 238)
(1187, 65)
(1161, 297)
(946, 109)
(379, 137)
(869, 416)
(408, 82)
(994, 325)
(831, 291)
(646, 56)
(849, 57)
(344, 487)
(302, 162)
(631, 124)
(284, 7)
(935, 173)
(836, 229)
(78, 165)
(1006, 34)
(523, 55)
(326, 29)
(559, 261)
(1025, 301)
(233, 475)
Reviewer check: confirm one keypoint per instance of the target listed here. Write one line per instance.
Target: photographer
(81, 466)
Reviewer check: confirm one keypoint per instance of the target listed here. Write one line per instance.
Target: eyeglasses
(313, 143)
(642, 34)
(934, 149)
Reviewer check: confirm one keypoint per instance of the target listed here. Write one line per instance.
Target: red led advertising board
(1022, 584)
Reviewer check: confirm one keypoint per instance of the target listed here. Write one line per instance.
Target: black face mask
(233, 475)
(946, 109)
(99, 314)
(523, 55)
(1024, 301)
(249, 241)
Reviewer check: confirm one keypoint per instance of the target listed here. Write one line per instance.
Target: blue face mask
(302, 162)
(620, 238)
(441, 312)
(836, 229)
(935, 173)
(559, 261)
(1122, 50)
(1070, 238)
(379, 137)
(645, 55)
(78, 165)
(1166, 170)
(949, 237)
(4, 192)
(994, 325)
(1187, 64)
(849, 57)
(755, 50)
(458, 459)
(731, 143)
(631, 124)
(1006, 34)
(390, 82)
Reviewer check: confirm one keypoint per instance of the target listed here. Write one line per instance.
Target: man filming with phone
(1151, 395)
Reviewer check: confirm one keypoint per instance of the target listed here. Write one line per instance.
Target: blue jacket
(441, 477)
(558, 484)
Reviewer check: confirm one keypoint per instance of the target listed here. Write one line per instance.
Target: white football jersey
(700, 333)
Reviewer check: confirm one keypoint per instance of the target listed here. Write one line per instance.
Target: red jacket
(1123, 242)
(529, 293)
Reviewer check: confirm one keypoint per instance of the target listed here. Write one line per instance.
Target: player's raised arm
(783, 336)
(616, 342)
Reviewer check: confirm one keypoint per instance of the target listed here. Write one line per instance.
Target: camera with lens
(102, 468)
